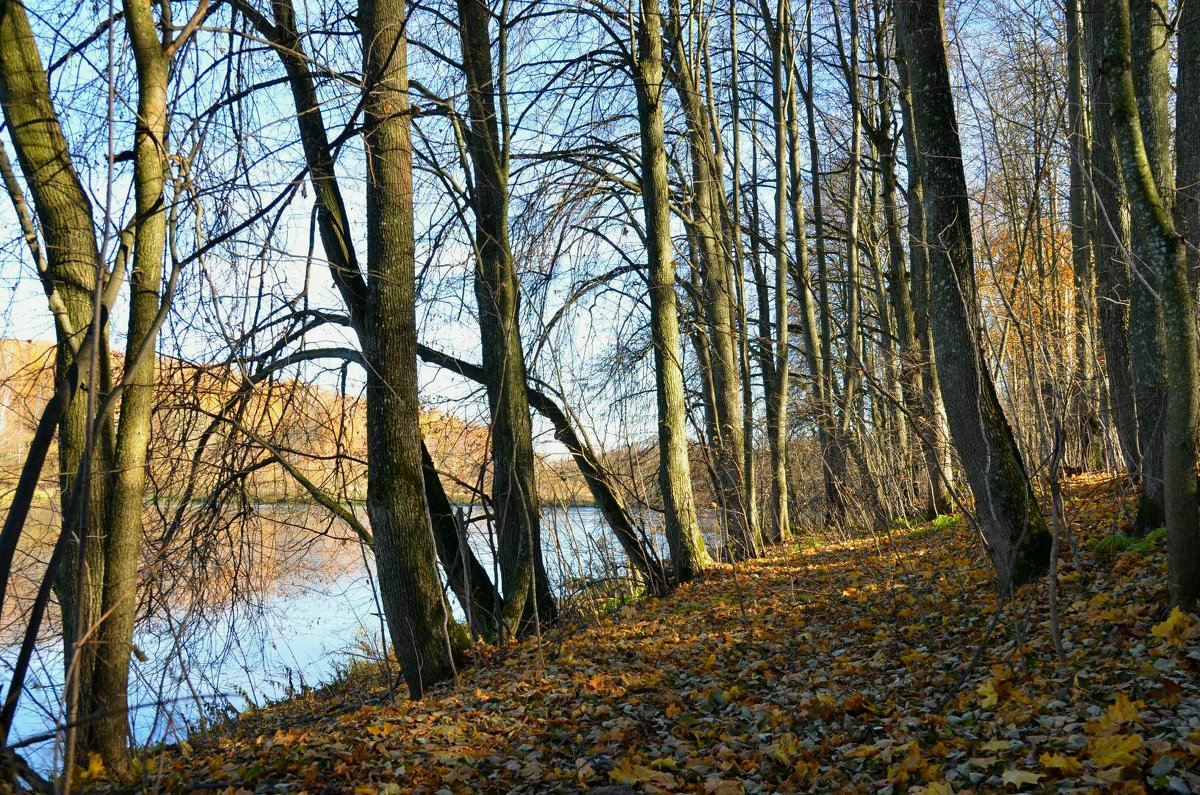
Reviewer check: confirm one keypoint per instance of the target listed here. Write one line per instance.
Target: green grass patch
(1116, 544)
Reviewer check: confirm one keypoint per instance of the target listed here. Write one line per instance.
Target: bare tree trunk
(382, 312)
(469, 580)
(1084, 397)
(776, 386)
(717, 285)
(899, 293)
(1006, 509)
(1153, 87)
(1110, 238)
(1165, 258)
(127, 485)
(833, 456)
(688, 554)
(934, 424)
(497, 291)
(404, 546)
(72, 258)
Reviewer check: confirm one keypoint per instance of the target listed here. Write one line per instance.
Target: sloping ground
(818, 669)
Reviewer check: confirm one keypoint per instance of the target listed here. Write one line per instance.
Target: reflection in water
(312, 609)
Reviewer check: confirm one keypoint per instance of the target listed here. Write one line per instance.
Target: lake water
(318, 613)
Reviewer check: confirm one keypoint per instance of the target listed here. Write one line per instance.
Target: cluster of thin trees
(816, 273)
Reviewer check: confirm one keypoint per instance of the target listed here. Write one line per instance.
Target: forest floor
(829, 666)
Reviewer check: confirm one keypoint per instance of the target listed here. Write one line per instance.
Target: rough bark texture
(933, 425)
(404, 547)
(1005, 507)
(1152, 87)
(1111, 239)
(1083, 398)
(1187, 143)
(497, 292)
(127, 484)
(382, 312)
(1165, 261)
(688, 553)
(65, 216)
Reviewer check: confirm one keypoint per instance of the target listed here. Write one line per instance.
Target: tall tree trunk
(833, 455)
(1187, 144)
(801, 266)
(127, 484)
(1084, 397)
(1153, 87)
(688, 554)
(497, 291)
(853, 367)
(1110, 246)
(382, 312)
(1005, 506)
(405, 554)
(779, 33)
(734, 216)
(1164, 259)
(717, 287)
(898, 289)
(65, 216)
(934, 425)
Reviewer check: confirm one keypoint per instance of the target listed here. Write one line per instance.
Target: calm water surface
(316, 618)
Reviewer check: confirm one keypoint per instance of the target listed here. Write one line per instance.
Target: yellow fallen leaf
(1067, 766)
(988, 694)
(1123, 710)
(628, 773)
(996, 745)
(1173, 626)
(1019, 778)
(715, 785)
(1115, 750)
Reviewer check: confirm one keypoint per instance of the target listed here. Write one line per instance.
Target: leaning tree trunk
(688, 553)
(404, 547)
(599, 482)
(497, 291)
(466, 576)
(1005, 506)
(1165, 260)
